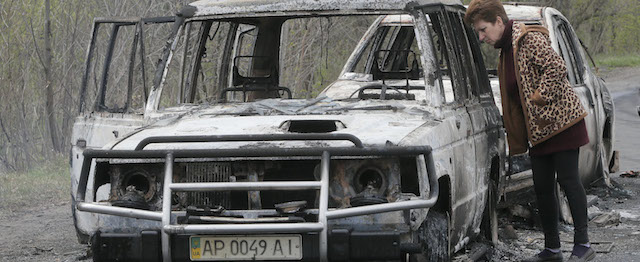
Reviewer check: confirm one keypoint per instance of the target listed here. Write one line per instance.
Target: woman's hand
(537, 98)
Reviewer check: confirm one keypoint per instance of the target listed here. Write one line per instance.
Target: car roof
(520, 13)
(252, 7)
(524, 13)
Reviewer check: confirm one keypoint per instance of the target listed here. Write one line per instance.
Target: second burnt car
(217, 154)
(597, 158)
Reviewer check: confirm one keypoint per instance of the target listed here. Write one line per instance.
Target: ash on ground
(614, 226)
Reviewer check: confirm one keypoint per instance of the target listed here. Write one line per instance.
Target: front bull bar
(423, 154)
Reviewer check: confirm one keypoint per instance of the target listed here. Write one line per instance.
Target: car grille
(208, 172)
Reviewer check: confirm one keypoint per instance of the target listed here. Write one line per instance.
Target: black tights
(544, 168)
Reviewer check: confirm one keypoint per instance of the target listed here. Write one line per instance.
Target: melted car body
(225, 150)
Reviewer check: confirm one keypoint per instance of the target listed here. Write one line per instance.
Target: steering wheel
(381, 86)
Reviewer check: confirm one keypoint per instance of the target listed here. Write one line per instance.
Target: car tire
(489, 225)
(602, 168)
(434, 238)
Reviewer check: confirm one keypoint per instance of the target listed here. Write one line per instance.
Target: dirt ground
(44, 231)
(618, 237)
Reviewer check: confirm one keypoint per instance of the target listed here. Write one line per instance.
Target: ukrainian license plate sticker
(246, 247)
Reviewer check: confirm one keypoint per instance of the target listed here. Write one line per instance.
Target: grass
(48, 183)
(627, 60)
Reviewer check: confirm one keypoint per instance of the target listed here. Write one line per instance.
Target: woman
(542, 115)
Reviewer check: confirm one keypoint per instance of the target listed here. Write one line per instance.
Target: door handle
(458, 123)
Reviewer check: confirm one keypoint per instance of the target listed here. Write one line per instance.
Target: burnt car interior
(394, 60)
(243, 60)
(255, 52)
(392, 64)
(256, 74)
(266, 82)
(394, 57)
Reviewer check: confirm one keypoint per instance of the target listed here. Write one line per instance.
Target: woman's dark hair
(487, 10)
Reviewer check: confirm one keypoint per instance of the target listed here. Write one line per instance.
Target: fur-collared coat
(548, 105)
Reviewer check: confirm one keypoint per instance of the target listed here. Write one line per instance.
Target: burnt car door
(448, 38)
(569, 49)
(486, 124)
(115, 85)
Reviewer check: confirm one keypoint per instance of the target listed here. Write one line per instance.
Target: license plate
(246, 247)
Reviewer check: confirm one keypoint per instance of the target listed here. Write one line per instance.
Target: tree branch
(4, 131)
(36, 44)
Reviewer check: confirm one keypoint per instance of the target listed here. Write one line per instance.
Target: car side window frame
(135, 66)
(440, 25)
(568, 51)
(468, 58)
(484, 84)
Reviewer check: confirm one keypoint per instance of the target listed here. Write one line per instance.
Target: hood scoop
(312, 126)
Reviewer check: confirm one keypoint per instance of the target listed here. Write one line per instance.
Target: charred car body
(400, 158)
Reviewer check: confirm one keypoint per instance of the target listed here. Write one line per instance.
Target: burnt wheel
(602, 169)
(434, 238)
(489, 224)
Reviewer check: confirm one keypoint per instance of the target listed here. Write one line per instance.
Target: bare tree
(39, 87)
(51, 120)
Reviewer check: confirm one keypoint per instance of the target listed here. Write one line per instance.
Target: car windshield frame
(179, 27)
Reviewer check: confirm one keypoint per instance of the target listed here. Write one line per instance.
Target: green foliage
(605, 26)
(46, 183)
(24, 136)
(629, 60)
(627, 29)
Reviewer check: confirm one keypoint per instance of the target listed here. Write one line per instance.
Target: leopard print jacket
(548, 105)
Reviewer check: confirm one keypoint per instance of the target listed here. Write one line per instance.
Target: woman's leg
(544, 183)
(566, 165)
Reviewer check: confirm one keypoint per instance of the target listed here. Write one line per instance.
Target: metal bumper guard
(422, 153)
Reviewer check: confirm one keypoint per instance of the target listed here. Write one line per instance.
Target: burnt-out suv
(217, 141)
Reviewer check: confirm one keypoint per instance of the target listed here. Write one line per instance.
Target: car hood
(375, 123)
